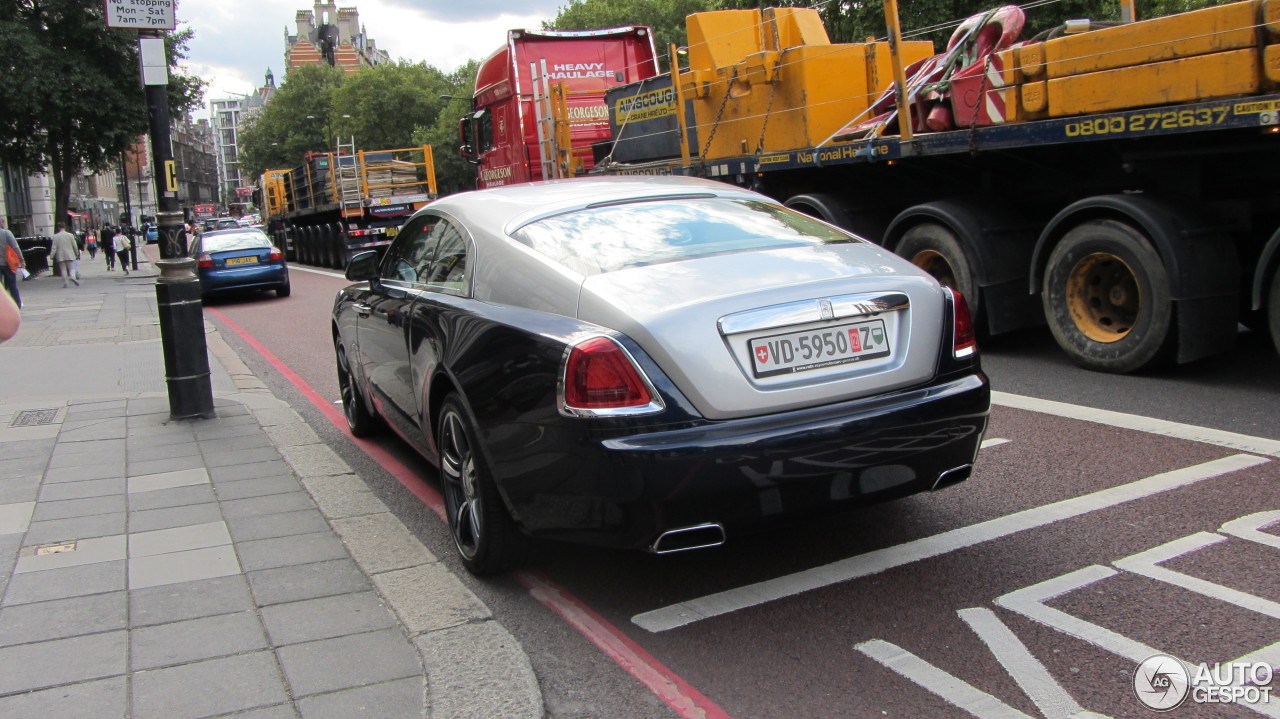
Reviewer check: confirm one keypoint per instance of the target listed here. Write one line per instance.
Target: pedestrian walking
(120, 244)
(12, 263)
(91, 242)
(104, 239)
(131, 251)
(65, 253)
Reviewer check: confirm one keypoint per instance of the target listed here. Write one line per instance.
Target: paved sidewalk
(207, 568)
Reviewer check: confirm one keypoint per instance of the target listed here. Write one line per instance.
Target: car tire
(486, 537)
(1107, 298)
(360, 420)
(284, 290)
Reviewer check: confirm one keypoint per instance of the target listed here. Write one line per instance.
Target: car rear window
(615, 237)
(234, 241)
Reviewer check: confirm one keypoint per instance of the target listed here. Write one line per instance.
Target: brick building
(331, 35)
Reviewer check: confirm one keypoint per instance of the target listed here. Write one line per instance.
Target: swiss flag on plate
(762, 354)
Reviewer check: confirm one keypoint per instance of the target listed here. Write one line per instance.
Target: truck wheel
(860, 219)
(303, 239)
(330, 247)
(935, 249)
(484, 533)
(309, 237)
(1106, 298)
(340, 244)
(336, 245)
(315, 240)
(282, 241)
(313, 246)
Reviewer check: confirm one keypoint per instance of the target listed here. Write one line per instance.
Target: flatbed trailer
(339, 203)
(1139, 235)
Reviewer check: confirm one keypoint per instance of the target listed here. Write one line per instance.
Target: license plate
(815, 349)
(242, 261)
(393, 231)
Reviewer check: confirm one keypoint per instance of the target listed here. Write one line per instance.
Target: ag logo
(1161, 682)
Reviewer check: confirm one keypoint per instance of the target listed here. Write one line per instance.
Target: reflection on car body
(590, 360)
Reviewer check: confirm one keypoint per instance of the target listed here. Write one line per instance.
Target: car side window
(449, 268)
(410, 254)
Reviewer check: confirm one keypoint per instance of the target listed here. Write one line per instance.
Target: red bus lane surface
(1085, 543)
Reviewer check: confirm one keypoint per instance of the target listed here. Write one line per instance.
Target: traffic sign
(141, 14)
(170, 176)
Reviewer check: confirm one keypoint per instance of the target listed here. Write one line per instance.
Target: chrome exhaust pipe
(952, 476)
(701, 536)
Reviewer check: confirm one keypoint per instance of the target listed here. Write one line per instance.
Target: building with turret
(333, 36)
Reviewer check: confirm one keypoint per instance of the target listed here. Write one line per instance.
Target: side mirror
(363, 266)
(466, 131)
(469, 155)
(469, 133)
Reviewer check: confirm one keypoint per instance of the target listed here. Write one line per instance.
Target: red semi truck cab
(501, 135)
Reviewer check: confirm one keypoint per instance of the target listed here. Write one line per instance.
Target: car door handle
(362, 309)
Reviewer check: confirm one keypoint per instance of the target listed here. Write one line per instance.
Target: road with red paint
(1086, 542)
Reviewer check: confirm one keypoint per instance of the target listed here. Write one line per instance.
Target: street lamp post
(328, 128)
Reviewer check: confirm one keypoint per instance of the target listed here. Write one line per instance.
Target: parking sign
(141, 14)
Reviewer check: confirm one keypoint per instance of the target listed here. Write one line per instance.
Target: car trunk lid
(759, 332)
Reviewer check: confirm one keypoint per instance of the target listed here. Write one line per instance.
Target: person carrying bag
(120, 245)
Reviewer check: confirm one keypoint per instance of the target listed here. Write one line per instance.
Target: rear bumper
(248, 278)
(626, 491)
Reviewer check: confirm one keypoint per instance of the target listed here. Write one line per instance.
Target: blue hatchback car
(239, 259)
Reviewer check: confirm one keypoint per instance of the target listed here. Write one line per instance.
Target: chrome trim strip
(655, 406)
(655, 547)
(804, 311)
(942, 481)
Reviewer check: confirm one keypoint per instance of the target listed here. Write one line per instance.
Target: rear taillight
(275, 254)
(964, 343)
(600, 375)
(204, 260)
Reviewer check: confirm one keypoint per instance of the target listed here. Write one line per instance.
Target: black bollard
(186, 356)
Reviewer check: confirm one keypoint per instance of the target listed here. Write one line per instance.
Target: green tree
(666, 17)
(70, 94)
(381, 108)
(296, 120)
(387, 104)
(453, 174)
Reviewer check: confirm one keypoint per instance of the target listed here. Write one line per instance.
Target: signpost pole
(186, 356)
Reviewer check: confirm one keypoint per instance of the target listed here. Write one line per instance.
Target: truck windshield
(605, 239)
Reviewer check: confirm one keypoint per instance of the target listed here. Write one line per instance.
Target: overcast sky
(237, 40)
